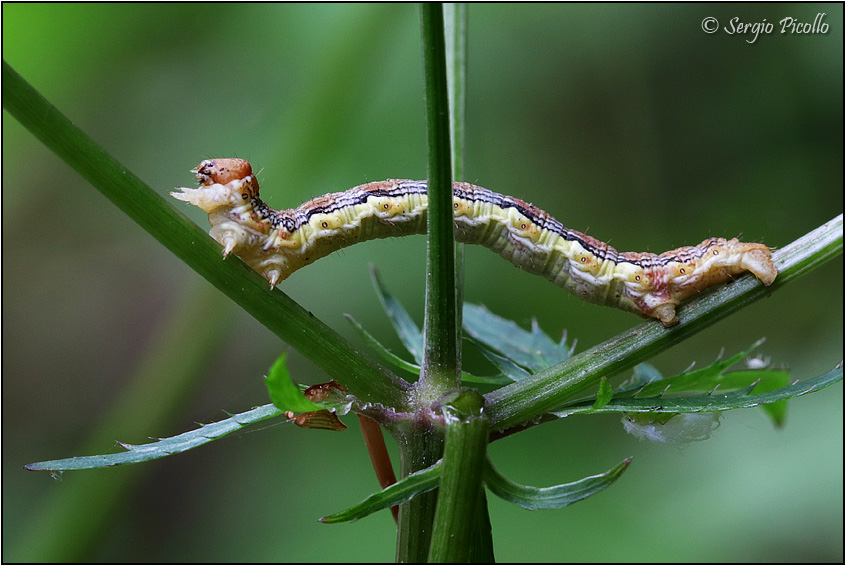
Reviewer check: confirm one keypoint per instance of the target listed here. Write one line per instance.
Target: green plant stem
(483, 551)
(455, 37)
(454, 536)
(529, 399)
(419, 448)
(363, 377)
(441, 352)
(420, 444)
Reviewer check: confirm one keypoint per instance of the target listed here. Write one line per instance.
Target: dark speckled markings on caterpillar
(278, 242)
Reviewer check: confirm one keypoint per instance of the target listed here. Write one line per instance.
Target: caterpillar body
(278, 242)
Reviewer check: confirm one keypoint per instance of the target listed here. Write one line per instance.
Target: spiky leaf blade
(164, 447)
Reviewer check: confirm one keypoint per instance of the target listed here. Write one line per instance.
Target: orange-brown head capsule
(222, 171)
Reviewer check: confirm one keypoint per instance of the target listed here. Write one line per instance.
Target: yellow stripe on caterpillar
(278, 242)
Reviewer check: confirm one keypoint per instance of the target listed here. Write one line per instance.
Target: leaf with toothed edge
(163, 447)
(703, 379)
(533, 350)
(705, 402)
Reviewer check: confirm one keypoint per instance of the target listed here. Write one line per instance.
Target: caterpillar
(278, 242)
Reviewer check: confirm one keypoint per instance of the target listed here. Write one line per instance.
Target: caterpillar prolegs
(278, 242)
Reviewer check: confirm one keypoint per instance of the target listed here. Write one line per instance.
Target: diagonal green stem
(529, 399)
(278, 312)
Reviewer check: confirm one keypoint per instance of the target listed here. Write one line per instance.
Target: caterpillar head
(223, 183)
(222, 171)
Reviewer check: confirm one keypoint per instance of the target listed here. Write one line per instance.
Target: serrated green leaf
(283, 392)
(532, 350)
(707, 401)
(704, 379)
(164, 447)
(414, 484)
(646, 381)
(554, 497)
(604, 395)
(409, 333)
(768, 380)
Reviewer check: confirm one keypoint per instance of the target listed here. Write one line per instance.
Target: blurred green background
(625, 121)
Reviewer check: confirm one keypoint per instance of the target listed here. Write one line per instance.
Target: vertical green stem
(455, 36)
(455, 33)
(440, 368)
(456, 527)
(483, 552)
(419, 447)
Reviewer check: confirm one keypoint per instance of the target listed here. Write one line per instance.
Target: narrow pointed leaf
(498, 379)
(554, 497)
(511, 371)
(408, 332)
(381, 350)
(165, 447)
(400, 492)
(284, 393)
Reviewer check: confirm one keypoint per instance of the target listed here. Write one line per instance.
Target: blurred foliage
(627, 121)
